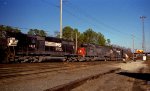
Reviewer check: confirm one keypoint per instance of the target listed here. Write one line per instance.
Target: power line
(89, 17)
(85, 20)
(67, 11)
(96, 20)
(50, 4)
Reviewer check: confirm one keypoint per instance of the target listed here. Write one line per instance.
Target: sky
(117, 20)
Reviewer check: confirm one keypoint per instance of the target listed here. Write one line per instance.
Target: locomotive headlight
(80, 51)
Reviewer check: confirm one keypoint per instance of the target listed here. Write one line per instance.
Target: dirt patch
(148, 63)
(143, 84)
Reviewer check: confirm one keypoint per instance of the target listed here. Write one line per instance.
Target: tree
(37, 32)
(81, 38)
(9, 28)
(70, 33)
(108, 42)
(57, 34)
(101, 39)
(89, 36)
(4, 29)
(75, 31)
(42, 33)
(67, 33)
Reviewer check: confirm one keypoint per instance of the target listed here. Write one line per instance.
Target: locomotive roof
(20, 35)
(55, 39)
(94, 45)
(15, 34)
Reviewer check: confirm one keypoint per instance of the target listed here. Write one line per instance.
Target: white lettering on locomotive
(12, 41)
(52, 44)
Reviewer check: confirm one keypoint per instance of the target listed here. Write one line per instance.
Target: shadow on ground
(142, 76)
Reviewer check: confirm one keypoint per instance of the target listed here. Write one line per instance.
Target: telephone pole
(133, 46)
(60, 18)
(143, 41)
(76, 43)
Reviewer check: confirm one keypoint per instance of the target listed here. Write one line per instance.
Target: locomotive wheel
(69, 59)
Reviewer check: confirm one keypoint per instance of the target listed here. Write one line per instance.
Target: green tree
(37, 32)
(9, 28)
(89, 36)
(4, 29)
(70, 33)
(81, 38)
(57, 34)
(108, 42)
(67, 32)
(101, 39)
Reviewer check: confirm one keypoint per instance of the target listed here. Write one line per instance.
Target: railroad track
(19, 70)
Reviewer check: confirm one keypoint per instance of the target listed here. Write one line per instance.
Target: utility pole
(143, 42)
(76, 43)
(60, 18)
(133, 45)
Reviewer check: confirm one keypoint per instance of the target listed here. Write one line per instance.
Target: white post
(76, 42)
(133, 46)
(60, 18)
(143, 42)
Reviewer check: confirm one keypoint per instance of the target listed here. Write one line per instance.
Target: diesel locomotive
(20, 47)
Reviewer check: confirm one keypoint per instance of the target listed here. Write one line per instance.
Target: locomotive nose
(81, 51)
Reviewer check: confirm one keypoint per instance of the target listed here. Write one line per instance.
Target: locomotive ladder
(10, 54)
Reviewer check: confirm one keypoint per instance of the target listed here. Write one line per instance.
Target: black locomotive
(33, 48)
(20, 47)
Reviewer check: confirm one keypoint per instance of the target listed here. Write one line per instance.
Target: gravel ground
(47, 80)
(132, 66)
(108, 81)
(117, 81)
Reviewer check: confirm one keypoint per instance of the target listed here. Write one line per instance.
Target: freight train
(20, 47)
